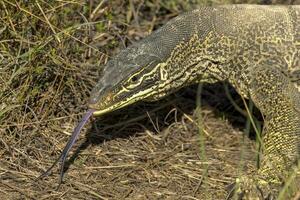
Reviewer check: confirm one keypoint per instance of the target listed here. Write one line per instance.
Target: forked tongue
(63, 156)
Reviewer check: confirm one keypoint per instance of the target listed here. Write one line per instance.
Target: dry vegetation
(51, 55)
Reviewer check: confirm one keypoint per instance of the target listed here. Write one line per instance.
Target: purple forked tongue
(64, 154)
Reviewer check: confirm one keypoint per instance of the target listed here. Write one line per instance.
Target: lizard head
(132, 75)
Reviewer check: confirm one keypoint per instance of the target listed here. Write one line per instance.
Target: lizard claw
(246, 188)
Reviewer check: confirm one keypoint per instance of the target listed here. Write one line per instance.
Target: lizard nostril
(99, 92)
(94, 98)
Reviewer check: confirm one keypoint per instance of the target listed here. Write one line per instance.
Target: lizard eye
(133, 79)
(132, 82)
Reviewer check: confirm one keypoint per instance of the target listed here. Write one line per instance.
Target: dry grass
(51, 55)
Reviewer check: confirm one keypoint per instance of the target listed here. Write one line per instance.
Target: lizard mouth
(134, 98)
(114, 107)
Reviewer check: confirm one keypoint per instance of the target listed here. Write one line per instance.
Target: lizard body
(255, 48)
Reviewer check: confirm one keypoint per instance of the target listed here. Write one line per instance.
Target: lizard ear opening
(163, 74)
(163, 71)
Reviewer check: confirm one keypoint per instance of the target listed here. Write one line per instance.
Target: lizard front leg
(279, 101)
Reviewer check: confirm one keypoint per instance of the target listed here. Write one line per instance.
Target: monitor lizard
(255, 48)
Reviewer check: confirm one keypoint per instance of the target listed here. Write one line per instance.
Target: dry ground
(51, 55)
